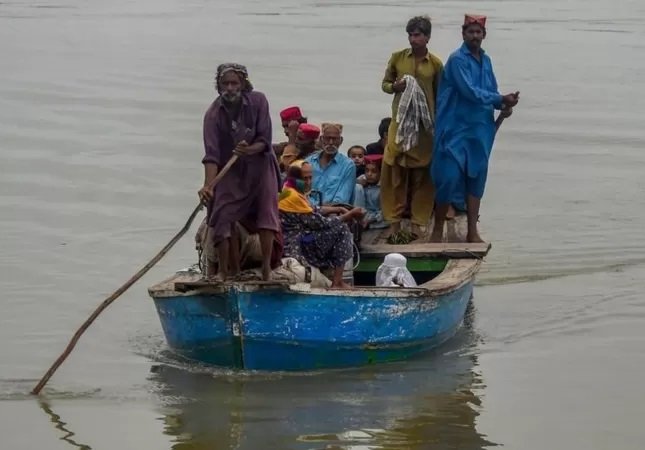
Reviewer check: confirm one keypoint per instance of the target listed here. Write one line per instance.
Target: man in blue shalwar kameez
(465, 128)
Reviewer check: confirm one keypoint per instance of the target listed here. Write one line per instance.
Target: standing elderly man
(238, 122)
(405, 169)
(465, 128)
(334, 173)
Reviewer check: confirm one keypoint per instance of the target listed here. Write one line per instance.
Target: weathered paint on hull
(278, 330)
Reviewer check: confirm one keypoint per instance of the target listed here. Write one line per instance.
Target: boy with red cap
(291, 115)
(465, 127)
(307, 139)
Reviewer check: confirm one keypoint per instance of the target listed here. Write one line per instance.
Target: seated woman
(310, 237)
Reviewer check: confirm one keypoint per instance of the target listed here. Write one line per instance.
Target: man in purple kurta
(238, 122)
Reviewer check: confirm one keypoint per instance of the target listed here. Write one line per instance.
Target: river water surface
(100, 147)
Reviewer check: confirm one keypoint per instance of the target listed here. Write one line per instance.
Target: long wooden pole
(501, 118)
(116, 294)
(499, 122)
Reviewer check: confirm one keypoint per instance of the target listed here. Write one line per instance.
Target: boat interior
(426, 261)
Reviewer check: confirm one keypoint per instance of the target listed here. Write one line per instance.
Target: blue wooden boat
(278, 326)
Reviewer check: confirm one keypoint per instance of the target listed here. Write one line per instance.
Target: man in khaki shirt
(404, 172)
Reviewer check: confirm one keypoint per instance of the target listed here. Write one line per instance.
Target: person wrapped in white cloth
(394, 273)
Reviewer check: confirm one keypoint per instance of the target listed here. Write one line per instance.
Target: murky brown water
(100, 143)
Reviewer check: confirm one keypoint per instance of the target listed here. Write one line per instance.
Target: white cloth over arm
(413, 112)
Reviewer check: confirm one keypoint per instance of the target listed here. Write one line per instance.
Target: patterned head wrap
(238, 69)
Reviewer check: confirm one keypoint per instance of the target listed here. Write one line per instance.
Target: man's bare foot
(217, 278)
(436, 236)
(393, 229)
(416, 230)
(211, 269)
(474, 238)
(341, 285)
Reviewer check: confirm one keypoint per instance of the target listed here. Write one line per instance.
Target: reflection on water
(60, 425)
(433, 400)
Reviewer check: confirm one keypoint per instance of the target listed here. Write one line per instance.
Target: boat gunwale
(456, 273)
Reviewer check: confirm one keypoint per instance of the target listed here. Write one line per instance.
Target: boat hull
(279, 329)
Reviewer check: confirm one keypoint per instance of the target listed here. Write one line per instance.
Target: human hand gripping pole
(116, 294)
(507, 108)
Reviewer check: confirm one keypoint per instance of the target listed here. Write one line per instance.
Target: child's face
(372, 173)
(358, 156)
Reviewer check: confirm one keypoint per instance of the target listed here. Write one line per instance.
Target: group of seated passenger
(338, 183)
(326, 197)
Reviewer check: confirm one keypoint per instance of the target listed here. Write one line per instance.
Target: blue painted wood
(199, 327)
(285, 330)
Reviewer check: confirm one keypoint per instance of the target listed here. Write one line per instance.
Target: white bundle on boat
(394, 273)
(293, 269)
